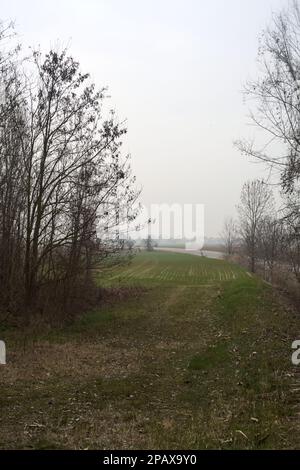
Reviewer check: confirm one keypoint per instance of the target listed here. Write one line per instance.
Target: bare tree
(230, 235)
(270, 244)
(277, 95)
(255, 202)
(292, 245)
(149, 244)
(11, 171)
(63, 179)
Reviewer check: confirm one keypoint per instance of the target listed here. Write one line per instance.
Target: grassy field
(191, 353)
(174, 269)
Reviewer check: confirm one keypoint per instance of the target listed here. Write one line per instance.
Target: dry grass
(174, 366)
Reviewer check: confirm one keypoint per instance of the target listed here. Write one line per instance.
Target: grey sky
(175, 70)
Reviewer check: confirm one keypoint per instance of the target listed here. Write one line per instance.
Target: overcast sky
(175, 70)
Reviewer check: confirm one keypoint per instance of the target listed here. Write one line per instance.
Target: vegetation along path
(191, 353)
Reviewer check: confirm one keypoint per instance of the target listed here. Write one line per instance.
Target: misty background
(175, 71)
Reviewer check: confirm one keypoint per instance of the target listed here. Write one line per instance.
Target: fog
(175, 71)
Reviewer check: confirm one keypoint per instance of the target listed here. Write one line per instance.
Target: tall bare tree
(255, 203)
(63, 178)
(11, 171)
(292, 245)
(276, 94)
(271, 244)
(230, 235)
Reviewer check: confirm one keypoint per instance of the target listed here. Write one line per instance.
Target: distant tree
(230, 235)
(255, 204)
(130, 244)
(149, 243)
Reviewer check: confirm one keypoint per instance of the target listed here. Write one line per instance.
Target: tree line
(264, 234)
(266, 239)
(64, 185)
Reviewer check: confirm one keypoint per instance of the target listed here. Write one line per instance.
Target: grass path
(199, 359)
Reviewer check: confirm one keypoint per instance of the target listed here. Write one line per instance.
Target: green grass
(214, 356)
(151, 268)
(200, 358)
